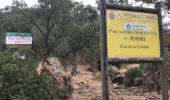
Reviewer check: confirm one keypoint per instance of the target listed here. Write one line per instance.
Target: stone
(56, 70)
(113, 70)
(137, 81)
(118, 79)
(123, 71)
(132, 66)
(115, 86)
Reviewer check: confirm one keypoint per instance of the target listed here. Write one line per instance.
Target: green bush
(63, 93)
(130, 76)
(20, 80)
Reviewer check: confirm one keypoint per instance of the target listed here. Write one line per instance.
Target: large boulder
(56, 70)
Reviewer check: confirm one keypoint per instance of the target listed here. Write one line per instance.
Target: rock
(113, 70)
(123, 71)
(127, 94)
(56, 70)
(75, 71)
(57, 73)
(48, 71)
(115, 86)
(118, 79)
(137, 81)
(147, 93)
(53, 66)
(39, 68)
(118, 93)
(131, 66)
(94, 66)
(121, 98)
(155, 94)
(54, 62)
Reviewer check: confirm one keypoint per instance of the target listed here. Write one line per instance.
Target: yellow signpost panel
(132, 34)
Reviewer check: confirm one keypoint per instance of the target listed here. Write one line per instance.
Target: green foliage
(118, 2)
(130, 76)
(63, 93)
(165, 3)
(20, 81)
(146, 1)
(69, 32)
(63, 31)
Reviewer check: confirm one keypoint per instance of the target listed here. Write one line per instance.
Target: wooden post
(164, 85)
(163, 68)
(105, 91)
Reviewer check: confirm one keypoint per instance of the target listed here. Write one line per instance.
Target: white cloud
(87, 2)
(4, 3)
(31, 2)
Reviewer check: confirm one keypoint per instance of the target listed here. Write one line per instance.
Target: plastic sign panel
(132, 34)
(18, 38)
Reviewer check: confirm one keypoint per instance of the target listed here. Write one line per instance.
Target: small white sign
(22, 38)
(135, 27)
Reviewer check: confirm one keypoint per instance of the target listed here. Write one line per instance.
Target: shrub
(130, 76)
(63, 93)
(20, 80)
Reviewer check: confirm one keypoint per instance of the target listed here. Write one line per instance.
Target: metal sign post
(105, 91)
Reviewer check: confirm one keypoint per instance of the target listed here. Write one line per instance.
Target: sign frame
(137, 59)
(104, 57)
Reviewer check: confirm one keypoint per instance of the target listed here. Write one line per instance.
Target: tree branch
(33, 22)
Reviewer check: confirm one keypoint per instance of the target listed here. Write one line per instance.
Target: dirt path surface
(87, 86)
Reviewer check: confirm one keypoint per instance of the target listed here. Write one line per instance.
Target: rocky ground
(87, 86)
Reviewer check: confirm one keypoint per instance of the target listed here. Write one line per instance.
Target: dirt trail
(85, 86)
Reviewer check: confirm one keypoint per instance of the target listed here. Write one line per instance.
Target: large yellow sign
(132, 34)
